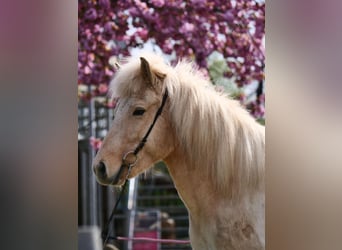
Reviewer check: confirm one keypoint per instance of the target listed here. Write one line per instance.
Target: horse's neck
(193, 186)
(210, 210)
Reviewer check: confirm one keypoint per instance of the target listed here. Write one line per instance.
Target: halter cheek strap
(159, 111)
(130, 164)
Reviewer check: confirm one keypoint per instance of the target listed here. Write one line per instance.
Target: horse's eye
(139, 111)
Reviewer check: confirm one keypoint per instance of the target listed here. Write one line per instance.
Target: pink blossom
(112, 103)
(108, 72)
(133, 11)
(103, 88)
(228, 16)
(109, 27)
(142, 33)
(91, 14)
(104, 4)
(87, 70)
(96, 143)
(167, 47)
(187, 28)
(158, 3)
(199, 3)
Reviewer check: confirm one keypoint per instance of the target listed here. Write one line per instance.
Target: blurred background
(226, 39)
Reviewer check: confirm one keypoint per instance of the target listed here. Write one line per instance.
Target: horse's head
(141, 90)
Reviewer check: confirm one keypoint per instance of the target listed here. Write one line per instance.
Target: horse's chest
(225, 231)
(240, 236)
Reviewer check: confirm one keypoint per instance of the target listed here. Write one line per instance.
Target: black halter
(129, 164)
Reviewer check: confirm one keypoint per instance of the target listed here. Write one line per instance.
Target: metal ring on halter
(125, 157)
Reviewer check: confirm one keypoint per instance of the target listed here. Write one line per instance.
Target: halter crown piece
(129, 164)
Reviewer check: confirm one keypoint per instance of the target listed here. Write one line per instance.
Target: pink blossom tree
(193, 29)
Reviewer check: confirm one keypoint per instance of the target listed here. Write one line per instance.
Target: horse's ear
(145, 70)
(150, 77)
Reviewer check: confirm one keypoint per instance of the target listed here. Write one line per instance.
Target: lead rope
(106, 231)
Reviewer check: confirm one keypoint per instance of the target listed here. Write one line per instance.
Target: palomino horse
(213, 148)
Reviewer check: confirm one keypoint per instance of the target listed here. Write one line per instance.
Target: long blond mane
(217, 135)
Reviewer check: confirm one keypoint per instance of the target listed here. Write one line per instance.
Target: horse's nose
(100, 170)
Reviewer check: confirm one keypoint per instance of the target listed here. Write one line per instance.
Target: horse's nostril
(101, 169)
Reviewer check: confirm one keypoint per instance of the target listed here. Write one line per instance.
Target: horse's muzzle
(102, 176)
(100, 170)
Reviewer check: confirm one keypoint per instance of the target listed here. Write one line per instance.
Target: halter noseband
(130, 164)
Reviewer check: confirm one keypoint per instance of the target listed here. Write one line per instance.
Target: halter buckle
(130, 154)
